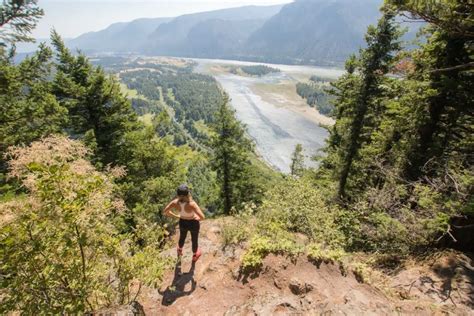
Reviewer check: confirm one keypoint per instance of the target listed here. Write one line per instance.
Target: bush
(60, 251)
(261, 246)
(292, 206)
(237, 229)
(318, 254)
(299, 207)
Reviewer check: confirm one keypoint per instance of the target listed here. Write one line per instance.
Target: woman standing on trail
(189, 216)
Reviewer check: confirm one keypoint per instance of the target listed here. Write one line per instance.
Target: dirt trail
(213, 286)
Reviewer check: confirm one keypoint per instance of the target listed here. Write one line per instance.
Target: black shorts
(189, 224)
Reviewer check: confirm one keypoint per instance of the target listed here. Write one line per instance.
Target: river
(275, 116)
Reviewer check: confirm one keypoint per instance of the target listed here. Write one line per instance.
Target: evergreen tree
(297, 161)
(17, 19)
(357, 113)
(94, 101)
(28, 108)
(444, 120)
(231, 159)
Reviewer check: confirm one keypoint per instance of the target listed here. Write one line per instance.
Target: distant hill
(314, 31)
(219, 38)
(118, 37)
(173, 38)
(323, 32)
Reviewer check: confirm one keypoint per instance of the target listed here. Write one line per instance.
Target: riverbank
(277, 118)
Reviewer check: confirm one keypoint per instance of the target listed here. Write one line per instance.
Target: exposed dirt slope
(441, 284)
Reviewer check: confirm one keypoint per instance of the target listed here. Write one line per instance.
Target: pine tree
(231, 158)
(297, 161)
(360, 89)
(29, 110)
(17, 19)
(94, 102)
(444, 120)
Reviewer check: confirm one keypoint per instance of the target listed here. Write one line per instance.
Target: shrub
(261, 246)
(60, 252)
(299, 207)
(238, 228)
(318, 254)
(292, 206)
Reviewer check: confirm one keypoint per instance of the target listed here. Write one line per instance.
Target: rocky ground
(435, 285)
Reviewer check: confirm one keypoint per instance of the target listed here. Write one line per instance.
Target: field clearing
(130, 93)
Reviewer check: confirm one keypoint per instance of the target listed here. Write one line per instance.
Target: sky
(72, 18)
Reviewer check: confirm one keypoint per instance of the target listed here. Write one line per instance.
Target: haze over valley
(318, 32)
(277, 117)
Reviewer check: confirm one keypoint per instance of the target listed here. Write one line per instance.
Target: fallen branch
(448, 232)
(467, 66)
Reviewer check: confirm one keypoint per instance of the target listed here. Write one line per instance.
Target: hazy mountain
(172, 38)
(314, 31)
(305, 31)
(118, 37)
(219, 38)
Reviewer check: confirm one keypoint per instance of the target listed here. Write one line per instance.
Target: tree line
(83, 180)
(402, 144)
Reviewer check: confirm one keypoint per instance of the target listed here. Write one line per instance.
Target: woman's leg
(194, 240)
(183, 231)
(195, 236)
(182, 237)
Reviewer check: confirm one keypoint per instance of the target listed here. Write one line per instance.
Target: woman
(189, 216)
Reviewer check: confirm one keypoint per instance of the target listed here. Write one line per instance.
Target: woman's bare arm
(198, 212)
(167, 211)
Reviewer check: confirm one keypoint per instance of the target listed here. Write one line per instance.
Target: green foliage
(238, 228)
(319, 255)
(454, 16)
(202, 180)
(297, 161)
(60, 250)
(154, 169)
(316, 95)
(401, 149)
(29, 108)
(233, 232)
(257, 70)
(193, 96)
(142, 107)
(260, 246)
(94, 101)
(387, 234)
(293, 206)
(299, 207)
(356, 100)
(17, 19)
(236, 176)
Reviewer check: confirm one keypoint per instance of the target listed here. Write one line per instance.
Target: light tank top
(183, 213)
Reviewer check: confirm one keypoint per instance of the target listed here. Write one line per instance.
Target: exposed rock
(284, 287)
(277, 283)
(299, 288)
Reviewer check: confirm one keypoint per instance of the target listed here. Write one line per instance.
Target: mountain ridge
(321, 32)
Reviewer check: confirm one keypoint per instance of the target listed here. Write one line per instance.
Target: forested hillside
(296, 33)
(90, 155)
(300, 31)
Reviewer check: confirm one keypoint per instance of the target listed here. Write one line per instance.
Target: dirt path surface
(213, 286)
